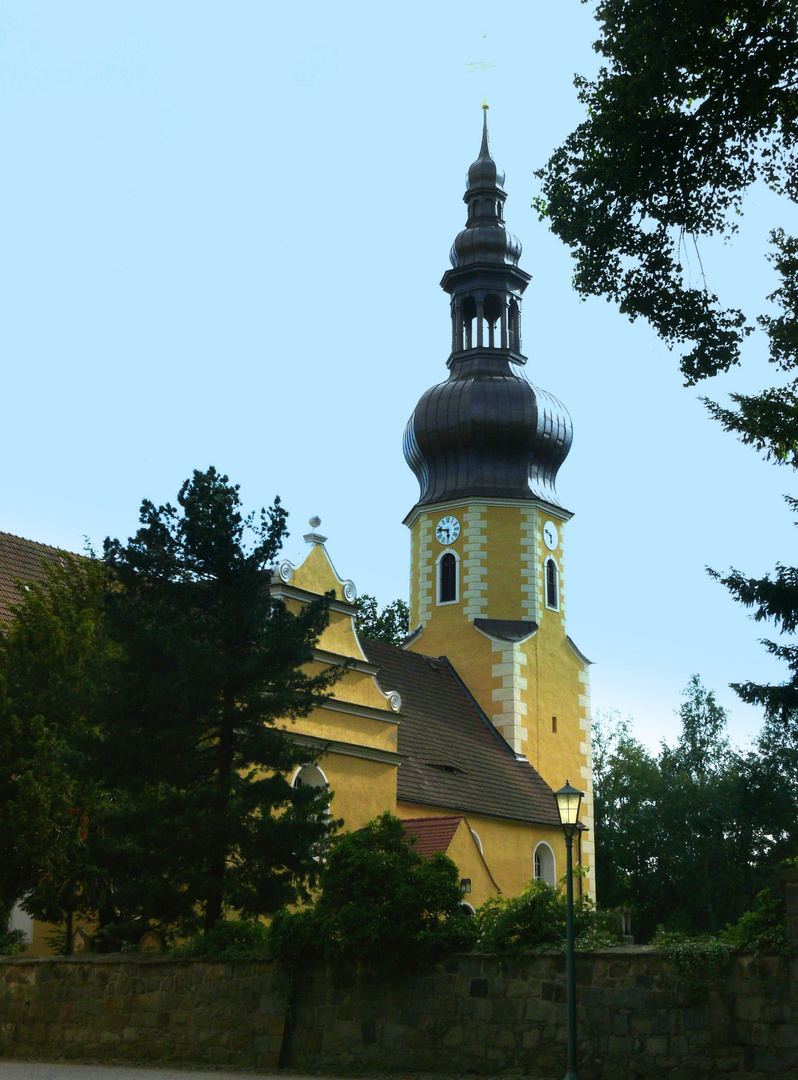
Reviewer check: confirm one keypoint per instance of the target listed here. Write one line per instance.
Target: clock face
(550, 536)
(448, 529)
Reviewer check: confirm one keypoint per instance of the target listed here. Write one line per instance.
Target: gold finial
(485, 103)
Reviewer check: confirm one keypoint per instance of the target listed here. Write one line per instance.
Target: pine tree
(196, 741)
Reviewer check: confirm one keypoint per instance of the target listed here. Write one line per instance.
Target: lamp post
(568, 800)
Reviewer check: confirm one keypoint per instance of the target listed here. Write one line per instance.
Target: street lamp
(568, 800)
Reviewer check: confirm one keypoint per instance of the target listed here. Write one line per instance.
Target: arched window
(552, 586)
(545, 869)
(447, 578)
(309, 776)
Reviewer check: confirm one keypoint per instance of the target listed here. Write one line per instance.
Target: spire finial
(484, 152)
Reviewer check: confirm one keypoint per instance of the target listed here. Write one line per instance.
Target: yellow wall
(520, 686)
(508, 847)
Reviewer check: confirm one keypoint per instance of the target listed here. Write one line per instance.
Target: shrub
(536, 920)
(693, 957)
(11, 942)
(381, 903)
(229, 939)
(763, 929)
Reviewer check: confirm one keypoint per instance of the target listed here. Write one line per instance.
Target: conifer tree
(211, 668)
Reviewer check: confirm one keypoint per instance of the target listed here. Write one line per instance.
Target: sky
(222, 229)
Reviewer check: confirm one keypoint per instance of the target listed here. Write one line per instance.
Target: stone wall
(475, 1014)
(471, 1015)
(142, 1009)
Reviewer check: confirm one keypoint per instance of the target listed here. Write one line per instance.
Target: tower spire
(486, 432)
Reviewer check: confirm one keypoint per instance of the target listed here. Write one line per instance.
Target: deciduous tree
(693, 105)
(390, 624)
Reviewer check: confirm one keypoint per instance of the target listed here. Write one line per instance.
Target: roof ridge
(38, 543)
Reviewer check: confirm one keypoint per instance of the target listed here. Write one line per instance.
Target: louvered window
(552, 599)
(447, 591)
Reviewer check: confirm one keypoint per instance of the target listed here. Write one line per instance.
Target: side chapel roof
(454, 757)
(431, 834)
(21, 560)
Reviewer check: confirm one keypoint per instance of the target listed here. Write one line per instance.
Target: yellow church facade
(467, 728)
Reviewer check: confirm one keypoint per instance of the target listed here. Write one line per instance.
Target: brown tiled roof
(455, 757)
(24, 561)
(431, 834)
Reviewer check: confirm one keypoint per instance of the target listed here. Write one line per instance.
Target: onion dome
(486, 431)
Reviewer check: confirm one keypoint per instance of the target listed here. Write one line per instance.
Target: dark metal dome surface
(487, 432)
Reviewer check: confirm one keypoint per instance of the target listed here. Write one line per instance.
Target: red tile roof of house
(22, 561)
(429, 835)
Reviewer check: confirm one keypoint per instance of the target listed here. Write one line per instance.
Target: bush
(229, 939)
(11, 942)
(763, 929)
(536, 920)
(381, 903)
(693, 957)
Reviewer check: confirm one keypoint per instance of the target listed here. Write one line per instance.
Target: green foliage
(694, 104)
(381, 903)
(390, 625)
(209, 663)
(536, 919)
(143, 756)
(674, 829)
(229, 939)
(763, 929)
(11, 942)
(51, 658)
(694, 957)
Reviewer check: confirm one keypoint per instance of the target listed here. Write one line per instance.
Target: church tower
(487, 585)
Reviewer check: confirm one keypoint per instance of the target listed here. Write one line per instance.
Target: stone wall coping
(129, 958)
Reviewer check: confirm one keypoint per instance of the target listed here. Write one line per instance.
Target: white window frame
(438, 561)
(544, 851)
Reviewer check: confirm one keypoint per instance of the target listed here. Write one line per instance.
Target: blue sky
(222, 232)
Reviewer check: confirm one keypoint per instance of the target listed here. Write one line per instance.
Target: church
(467, 728)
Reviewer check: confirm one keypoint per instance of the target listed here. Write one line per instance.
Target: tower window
(447, 578)
(554, 725)
(514, 325)
(552, 587)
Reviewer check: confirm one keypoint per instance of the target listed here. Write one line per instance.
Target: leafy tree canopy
(381, 902)
(54, 655)
(674, 829)
(390, 625)
(695, 103)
